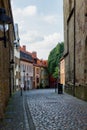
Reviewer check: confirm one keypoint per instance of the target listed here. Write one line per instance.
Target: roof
(25, 56)
(28, 56)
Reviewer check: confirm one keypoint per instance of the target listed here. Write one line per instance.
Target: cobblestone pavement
(52, 111)
(44, 110)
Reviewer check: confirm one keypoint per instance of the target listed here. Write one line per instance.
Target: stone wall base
(80, 91)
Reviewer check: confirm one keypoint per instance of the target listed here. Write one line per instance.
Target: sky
(40, 24)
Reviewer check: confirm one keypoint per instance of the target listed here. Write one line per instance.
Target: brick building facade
(6, 57)
(75, 44)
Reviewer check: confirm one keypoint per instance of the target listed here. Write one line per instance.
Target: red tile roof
(40, 62)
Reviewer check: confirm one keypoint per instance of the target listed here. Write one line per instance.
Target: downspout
(74, 66)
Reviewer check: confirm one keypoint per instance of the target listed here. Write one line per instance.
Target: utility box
(60, 88)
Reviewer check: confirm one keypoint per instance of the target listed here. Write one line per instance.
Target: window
(37, 80)
(37, 70)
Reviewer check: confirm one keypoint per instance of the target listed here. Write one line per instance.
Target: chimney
(24, 47)
(34, 53)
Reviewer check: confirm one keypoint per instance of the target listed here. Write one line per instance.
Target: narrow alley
(44, 109)
(43, 49)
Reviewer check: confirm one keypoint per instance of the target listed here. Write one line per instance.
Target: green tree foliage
(54, 59)
(55, 74)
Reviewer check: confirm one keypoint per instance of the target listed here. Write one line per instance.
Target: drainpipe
(74, 67)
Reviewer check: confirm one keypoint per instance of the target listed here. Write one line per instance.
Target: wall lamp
(12, 62)
(4, 21)
(16, 44)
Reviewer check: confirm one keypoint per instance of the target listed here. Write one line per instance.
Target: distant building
(44, 77)
(62, 71)
(52, 82)
(37, 76)
(26, 68)
(40, 72)
(36, 71)
(17, 58)
(75, 44)
(33, 70)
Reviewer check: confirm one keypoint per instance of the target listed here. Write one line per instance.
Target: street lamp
(4, 21)
(16, 44)
(24, 80)
(12, 62)
(27, 82)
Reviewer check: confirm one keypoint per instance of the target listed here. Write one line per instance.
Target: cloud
(30, 10)
(51, 19)
(43, 47)
(31, 36)
(22, 13)
(52, 37)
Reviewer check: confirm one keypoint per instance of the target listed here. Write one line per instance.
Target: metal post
(21, 91)
(24, 80)
(21, 87)
(27, 82)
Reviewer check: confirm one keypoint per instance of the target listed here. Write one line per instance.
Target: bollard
(22, 86)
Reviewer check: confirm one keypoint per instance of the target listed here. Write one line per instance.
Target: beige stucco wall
(62, 72)
(26, 73)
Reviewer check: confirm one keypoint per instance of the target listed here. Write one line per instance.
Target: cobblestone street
(51, 111)
(45, 110)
